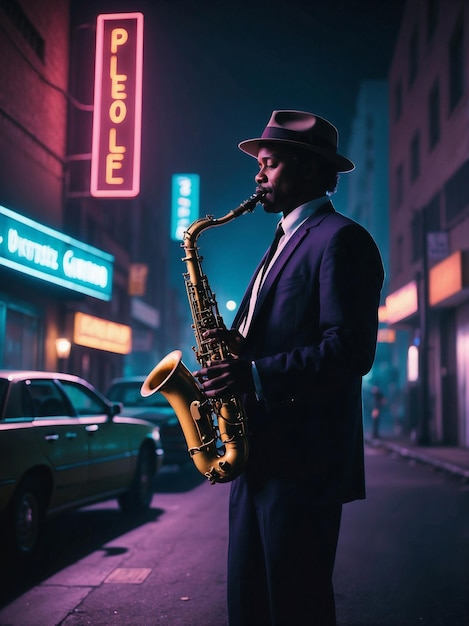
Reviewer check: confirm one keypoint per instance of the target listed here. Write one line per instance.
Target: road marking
(132, 575)
(373, 451)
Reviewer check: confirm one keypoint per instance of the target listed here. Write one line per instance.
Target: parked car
(64, 445)
(157, 410)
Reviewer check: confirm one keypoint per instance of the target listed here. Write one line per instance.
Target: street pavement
(106, 585)
(163, 567)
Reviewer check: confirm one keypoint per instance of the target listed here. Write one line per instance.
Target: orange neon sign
(117, 115)
(102, 334)
(449, 278)
(402, 303)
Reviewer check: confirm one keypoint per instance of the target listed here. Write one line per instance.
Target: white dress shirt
(290, 224)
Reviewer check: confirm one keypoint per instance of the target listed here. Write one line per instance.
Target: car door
(62, 440)
(110, 464)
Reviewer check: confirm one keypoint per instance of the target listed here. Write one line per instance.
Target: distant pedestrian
(378, 401)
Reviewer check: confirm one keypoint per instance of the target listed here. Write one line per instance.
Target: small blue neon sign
(185, 203)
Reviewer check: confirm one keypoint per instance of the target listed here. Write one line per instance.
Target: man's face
(279, 175)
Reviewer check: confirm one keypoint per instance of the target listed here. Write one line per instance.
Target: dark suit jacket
(312, 338)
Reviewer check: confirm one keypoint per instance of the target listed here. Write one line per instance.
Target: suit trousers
(281, 554)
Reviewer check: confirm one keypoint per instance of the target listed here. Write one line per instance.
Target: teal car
(64, 445)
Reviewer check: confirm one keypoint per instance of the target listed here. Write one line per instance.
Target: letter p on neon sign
(117, 115)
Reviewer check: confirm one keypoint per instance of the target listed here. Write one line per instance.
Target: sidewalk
(451, 459)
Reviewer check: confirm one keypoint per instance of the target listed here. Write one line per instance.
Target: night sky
(214, 72)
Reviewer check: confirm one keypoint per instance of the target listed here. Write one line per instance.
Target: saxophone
(205, 422)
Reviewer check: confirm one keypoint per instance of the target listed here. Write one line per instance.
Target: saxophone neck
(194, 230)
(248, 205)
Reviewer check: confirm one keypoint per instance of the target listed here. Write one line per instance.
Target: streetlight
(63, 347)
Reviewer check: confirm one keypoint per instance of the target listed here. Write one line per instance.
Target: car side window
(84, 401)
(3, 391)
(47, 398)
(19, 403)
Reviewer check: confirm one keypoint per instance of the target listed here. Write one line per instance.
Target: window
(432, 17)
(457, 192)
(434, 115)
(424, 221)
(3, 391)
(399, 185)
(416, 233)
(399, 254)
(19, 404)
(21, 347)
(432, 214)
(128, 393)
(84, 401)
(456, 65)
(47, 399)
(398, 100)
(415, 157)
(24, 26)
(413, 56)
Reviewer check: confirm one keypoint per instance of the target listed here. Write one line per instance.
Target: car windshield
(129, 394)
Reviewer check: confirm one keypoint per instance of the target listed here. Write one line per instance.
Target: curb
(421, 457)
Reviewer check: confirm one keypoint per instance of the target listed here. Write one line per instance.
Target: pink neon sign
(117, 116)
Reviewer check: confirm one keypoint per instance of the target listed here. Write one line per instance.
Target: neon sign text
(87, 271)
(185, 203)
(102, 334)
(41, 252)
(29, 250)
(115, 161)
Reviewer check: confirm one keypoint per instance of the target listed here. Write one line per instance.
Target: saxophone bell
(218, 452)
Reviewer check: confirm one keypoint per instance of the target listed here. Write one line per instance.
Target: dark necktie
(246, 316)
(273, 248)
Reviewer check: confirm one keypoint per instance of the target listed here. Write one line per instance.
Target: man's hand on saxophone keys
(232, 376)
(228, 376)
(232, 339)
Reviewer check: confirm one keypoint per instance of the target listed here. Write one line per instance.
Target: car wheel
(140, 494)
(26, 518)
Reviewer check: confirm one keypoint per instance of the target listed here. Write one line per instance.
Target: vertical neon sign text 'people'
(115, 162)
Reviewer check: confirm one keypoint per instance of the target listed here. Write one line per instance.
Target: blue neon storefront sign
(31, 248)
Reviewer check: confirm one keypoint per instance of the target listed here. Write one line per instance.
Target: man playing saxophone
(303, 338)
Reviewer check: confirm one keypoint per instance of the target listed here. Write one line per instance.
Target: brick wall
(33, 106)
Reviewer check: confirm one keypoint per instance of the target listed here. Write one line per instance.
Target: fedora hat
(303, 130)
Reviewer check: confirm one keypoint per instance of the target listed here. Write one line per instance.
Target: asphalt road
(403, 554)
(403, 557)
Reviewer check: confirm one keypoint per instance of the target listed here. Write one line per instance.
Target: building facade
(87, 270)
(429, 215)
(368, 204)
(33, 108)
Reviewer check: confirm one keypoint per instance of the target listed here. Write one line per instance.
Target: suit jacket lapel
(280, 261)
(291, 245)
